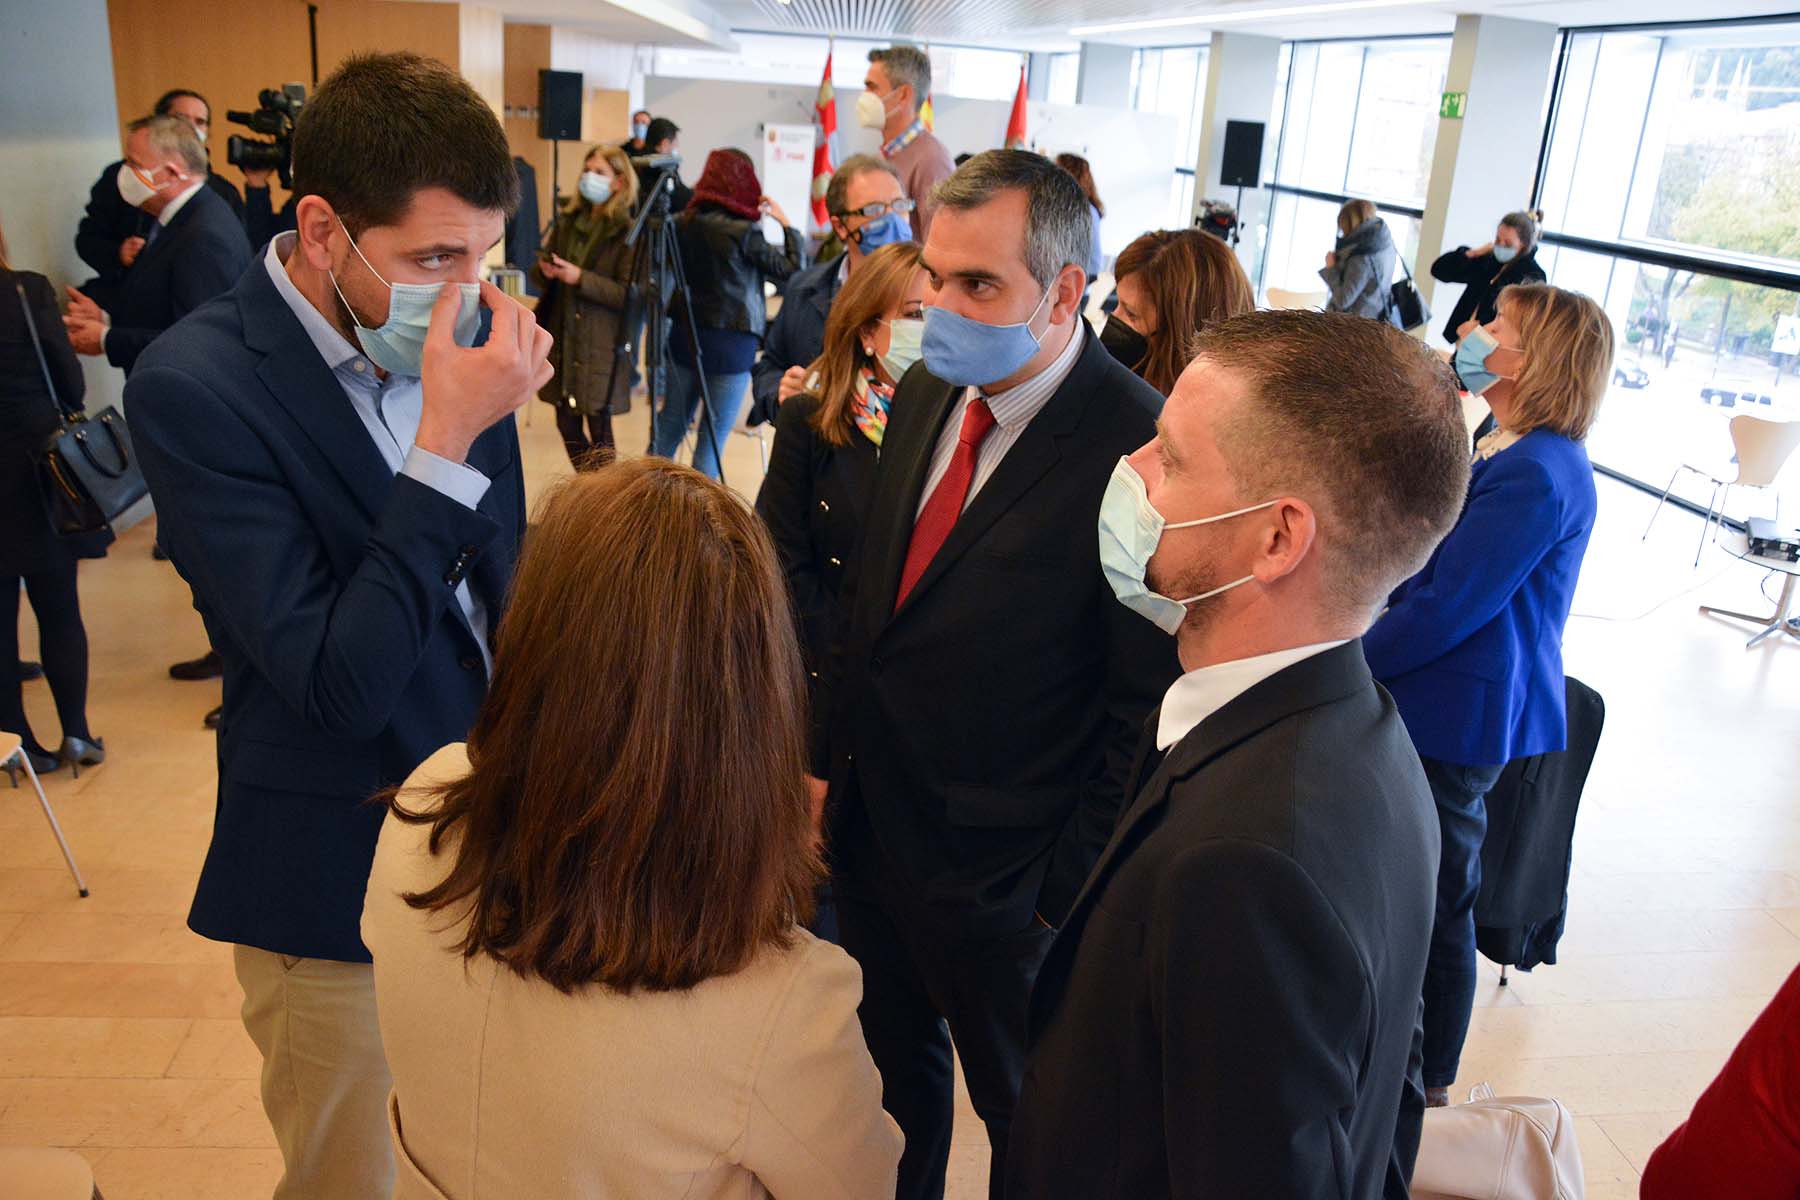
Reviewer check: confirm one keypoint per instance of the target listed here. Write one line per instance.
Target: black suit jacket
(1232, 1008)
(813, 500)
(986, 728)
(108, 220)
(327, 584)
(198, 255)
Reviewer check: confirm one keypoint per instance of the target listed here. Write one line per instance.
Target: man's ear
(1070, 281)
(315, 224)
(1292, 532)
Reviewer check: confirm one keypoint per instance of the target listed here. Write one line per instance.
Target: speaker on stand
(559, 120)
(1241, 164)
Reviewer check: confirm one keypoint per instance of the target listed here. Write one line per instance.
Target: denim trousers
(1460, 793)
(725, 392)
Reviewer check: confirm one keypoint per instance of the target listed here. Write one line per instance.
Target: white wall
(1241, 70)
(59, 126)
(1133, 154)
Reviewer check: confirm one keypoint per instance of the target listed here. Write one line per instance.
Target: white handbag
(1499, 1148)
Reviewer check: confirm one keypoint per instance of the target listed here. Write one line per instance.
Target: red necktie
(939, 515)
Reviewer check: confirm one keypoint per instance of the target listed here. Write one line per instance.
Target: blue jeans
(726, 393)
(1460, 793)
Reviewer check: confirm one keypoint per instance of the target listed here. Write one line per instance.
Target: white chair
(12, 758)
(33, 1173)
(1282, 298)
(1763, 448)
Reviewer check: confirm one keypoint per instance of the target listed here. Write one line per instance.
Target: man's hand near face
(468, 389)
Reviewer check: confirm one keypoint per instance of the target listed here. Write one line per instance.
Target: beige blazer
(745, 1086)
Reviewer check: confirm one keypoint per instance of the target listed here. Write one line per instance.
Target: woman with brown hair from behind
(589, 965)
(1172, 283)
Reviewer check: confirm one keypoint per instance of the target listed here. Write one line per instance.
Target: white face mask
(132, 188)
(871, 111)
(201, 134)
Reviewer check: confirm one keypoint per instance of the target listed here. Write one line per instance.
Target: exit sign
(1454, 105)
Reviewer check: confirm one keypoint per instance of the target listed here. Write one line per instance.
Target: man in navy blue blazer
(858, 199)
(194, 246)
(337, 477)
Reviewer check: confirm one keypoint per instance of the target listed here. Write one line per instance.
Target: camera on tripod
(275, 120)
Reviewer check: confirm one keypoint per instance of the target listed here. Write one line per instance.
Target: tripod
(657, 277)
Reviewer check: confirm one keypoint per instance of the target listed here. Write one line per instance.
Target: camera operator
(193, 246)
(663, 136)
(275, 115)
(112, 233)
(338, 479)
(726, 258)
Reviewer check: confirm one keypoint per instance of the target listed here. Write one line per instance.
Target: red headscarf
(729, 181)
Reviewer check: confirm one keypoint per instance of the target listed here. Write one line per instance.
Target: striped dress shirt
(1012, 409)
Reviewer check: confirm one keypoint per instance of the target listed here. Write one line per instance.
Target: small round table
(1781, 621)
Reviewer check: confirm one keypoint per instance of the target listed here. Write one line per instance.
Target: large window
(1672, 196)
(1172, 81)
(970, 71)
(1353, 119)
(1065, 77)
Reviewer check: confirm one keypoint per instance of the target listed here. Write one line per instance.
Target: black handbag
(1406, 308)
(86, 470)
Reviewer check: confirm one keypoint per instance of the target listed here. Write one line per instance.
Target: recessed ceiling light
(1238, 15)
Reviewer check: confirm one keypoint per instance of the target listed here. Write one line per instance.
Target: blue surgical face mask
(640, 129)
(970, 353)
(594, 187)
(398, 346)
(1471, 361)
(905, 337)
(1130, 529)
(1505, 254)
(886, 230)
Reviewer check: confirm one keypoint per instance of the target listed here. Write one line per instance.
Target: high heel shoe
(83, 752)
(42, 763)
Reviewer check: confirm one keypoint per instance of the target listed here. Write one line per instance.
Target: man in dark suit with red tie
(980, 712)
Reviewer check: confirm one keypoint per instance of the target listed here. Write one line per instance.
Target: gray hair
(1058, 219)
(906, 64)
(172, 137)
(837, 192)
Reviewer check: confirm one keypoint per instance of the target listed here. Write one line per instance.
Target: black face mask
(1125, 343)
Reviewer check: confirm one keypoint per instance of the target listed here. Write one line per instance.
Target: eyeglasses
(879, 209)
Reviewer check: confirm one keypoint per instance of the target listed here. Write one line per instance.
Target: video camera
(275, 119)
(1219, 219)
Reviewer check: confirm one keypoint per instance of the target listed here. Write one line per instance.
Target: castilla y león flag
(1015, 124)
(826, 108)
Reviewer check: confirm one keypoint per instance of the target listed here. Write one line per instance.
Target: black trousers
(62, 644)
(589, 448)
(925, 987)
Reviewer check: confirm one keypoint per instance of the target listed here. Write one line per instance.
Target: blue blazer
(199, 256)
(796, 336)
(1471, 646)
(327, 584)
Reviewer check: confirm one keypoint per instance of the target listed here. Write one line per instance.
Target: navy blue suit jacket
(199, 255)
(1471, 646)
(327, 584)
(796, 336)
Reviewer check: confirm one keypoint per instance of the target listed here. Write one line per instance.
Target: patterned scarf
(869, 411)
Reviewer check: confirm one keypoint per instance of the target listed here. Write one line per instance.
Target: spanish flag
(1015, 124)
(926, 115)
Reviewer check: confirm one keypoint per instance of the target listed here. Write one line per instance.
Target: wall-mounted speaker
(559, 106)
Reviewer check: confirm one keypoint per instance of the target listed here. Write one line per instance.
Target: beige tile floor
(119, 1033)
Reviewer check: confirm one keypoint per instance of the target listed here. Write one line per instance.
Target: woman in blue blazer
(1471, 646)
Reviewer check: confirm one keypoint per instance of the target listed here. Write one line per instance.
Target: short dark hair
(906, 64)
(837, 192)
(660, 128)
(587, 844)
(385, 126)
(1359, 420)
(642, 112)
(168, 98)
(1058, 223)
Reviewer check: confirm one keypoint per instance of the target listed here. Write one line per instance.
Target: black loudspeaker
(559, 106)
(1242, 166)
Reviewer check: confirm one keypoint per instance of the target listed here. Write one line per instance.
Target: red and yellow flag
(823, 150)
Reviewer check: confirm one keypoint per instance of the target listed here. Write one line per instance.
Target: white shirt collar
(332, 346)
(174, 206)
(1202, 692)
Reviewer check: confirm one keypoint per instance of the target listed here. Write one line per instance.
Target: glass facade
(1172, 81)
(1683, 142)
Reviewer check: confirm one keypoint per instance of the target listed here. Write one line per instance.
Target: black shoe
(211, 719)
(29, 671)
(83, 752)
(207, 666)
(42, 762)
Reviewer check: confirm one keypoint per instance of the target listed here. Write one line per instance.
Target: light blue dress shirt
(389, 409)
